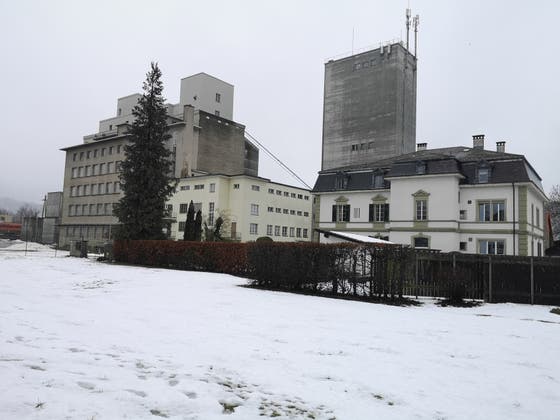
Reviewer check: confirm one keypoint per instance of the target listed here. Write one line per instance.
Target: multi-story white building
(250, 206)
(452, 199)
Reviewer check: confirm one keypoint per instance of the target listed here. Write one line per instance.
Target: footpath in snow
(80, 339)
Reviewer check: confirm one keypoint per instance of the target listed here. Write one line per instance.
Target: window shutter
(386, 212)
(346, 213)
(371, 212)
(334, 213)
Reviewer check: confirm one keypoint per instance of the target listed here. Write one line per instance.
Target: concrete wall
(364, 116)
(200, 91)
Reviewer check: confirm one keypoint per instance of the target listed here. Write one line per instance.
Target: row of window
(488, 211)
(88, 232)
(212, 187)
(98, 209)
(288, 194)
(283, 231)
(96, 169)
(285, 211)
(92, 154)
(95, 189)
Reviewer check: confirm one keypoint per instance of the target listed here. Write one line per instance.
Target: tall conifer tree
(145, 171)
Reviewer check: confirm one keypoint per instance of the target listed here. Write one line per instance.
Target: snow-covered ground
(81, 339)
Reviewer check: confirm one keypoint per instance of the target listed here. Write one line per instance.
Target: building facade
(250, 206)
(463, 199)
(369, 110)
(201, 142)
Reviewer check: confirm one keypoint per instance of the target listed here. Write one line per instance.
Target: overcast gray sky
(485, 67)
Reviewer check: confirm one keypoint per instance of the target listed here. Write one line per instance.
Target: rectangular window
(235, 186)
(94, 169)
(293, 195)
(79, 190)
(491, 211)
(101, 188)
(74, 157)
(421, 242)
(305, 233)
(118, 164)
(108, 209)
(422, 209)
(110, 167)
(92, 209)
(74, 172)
(269, 230)
(538, 217)
(254, 209)
(286, 194)
(118, 148)
(109, 187)
(182, 226)
(462, 246)
(341, 213)
(103, 151)
(292, 232)
(185, 187)
(278, 210)
(183, 207)
(81, 171)
(299, 213)
(70, 210)
(117, 187)
(271, 209)
(197, 207)
(218, 97)
(305, 214)
(86, 189)
(88, 170)
(284, 230)
(101, 169)
(72, 191)
(100, 209)
(217, 113)
(298, 233)
(211, 214)
(278, 192)
(276, 230)
(379, 212)
(255, 188)
(356, 212)
(300, 196)
(306, 197)
(199, 187)
(212, 187)
(111, 150)
(253, 229)
(271, 190)
(292, 212)
(462, 215)
(491, 247)
(81, 155)
(285, 211)
(95, 153)
(93, 189)
(483, 175)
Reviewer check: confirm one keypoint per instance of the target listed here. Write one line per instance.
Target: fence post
(416, 273)
(489, 279)
(532, 284)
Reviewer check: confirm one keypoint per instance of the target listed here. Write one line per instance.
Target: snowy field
(81, 339)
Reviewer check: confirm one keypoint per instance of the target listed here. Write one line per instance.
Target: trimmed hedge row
(217, 257)
(338, 269)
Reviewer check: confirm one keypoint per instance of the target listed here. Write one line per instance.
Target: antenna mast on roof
(415, 23)
(407, 26)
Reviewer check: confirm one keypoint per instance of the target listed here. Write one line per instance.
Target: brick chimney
(478, 141)
(501, 146)
(421, 146)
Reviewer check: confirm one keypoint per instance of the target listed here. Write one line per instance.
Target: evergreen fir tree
(188, 235)
(198, 227)
(145, 171)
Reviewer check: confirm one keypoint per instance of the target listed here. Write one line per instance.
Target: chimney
(421, 146)
(501, 146)
(478, 141)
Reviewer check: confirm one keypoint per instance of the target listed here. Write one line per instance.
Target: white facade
(454, 214)
(251, 207)
(209, 94)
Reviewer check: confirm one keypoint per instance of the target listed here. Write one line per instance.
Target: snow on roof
(359, 238)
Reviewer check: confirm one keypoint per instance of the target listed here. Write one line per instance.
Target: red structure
(10, 230)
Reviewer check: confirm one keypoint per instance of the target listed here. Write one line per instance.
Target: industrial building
(369, 109)
(203, 141)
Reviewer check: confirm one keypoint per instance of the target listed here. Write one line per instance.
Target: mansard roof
(461, 160)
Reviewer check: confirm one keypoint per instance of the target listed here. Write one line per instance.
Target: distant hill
(13, 205)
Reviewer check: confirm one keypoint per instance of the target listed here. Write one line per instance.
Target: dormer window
(378, 179)
(483, 173)
(341, 181)
(420, 167)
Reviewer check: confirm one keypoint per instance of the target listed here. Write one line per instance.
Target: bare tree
(24, 211)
